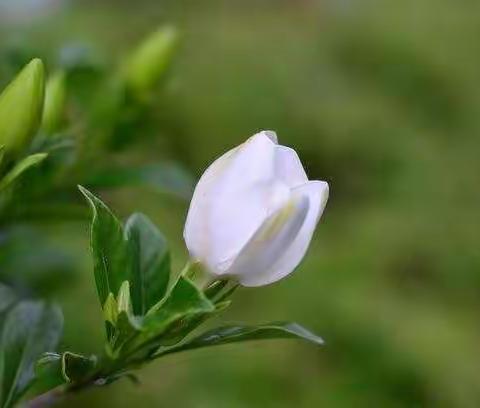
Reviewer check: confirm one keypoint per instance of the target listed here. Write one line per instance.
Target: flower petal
(231, 201)
(195, 227)
(271, 135)
(288, 167)
(269, 242)
(236, 217)
(289, 258)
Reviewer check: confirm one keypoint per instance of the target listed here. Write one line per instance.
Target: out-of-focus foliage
(27, 330)
(74, 124)
(380, 99)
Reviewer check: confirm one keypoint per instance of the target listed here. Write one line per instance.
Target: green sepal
(215, 288)
(221, 290)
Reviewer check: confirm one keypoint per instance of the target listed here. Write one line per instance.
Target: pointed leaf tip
(111, 251)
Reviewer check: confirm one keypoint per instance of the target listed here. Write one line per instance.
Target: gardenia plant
(250, 222)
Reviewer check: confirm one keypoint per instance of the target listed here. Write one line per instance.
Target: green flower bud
(55, 97)
(151, 59)
(21, 106)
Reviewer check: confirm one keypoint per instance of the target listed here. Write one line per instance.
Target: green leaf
(48, 371)
(189, 323)
(184, 302)
(126, 325)
(21, 106)
(112, 261)
(20, 167)
(53, 369)
(127, 328)
(30, 329)
(151, 263)
(235, 334)
(76, 367)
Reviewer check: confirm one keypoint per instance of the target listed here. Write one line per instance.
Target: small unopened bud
(55, 97)
(152, 58)
(21, 106)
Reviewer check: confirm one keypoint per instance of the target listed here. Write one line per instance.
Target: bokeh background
(381, 99)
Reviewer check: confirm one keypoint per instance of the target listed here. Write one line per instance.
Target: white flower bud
(253, 213)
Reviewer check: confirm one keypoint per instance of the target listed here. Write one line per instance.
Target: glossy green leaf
(184, 302)
(235, 334)
(20, 167)
(21, 106)
(111, 252)
(30, 329)
(151, 263)
(189, 323)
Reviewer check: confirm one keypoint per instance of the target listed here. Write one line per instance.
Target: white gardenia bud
(253, 213)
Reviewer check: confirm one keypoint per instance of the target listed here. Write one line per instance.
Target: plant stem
(47, 399)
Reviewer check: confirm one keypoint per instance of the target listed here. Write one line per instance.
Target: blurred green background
(381, 99)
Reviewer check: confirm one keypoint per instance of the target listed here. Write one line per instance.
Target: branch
(47, 399)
